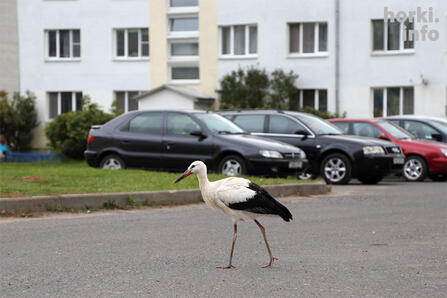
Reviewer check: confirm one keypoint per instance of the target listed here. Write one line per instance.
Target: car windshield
(442, 126)
(396, 131)
(319, 126)
(219, 124)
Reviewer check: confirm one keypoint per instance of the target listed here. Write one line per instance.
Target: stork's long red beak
(184, 175)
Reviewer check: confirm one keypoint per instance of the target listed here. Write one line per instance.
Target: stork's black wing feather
(263, 203)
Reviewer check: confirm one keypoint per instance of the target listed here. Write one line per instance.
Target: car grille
(292, 155)
(393, 150)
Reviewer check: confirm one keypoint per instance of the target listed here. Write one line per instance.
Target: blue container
(31, 157)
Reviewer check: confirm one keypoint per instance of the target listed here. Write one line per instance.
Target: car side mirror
(302, 132)
(198, 133)
(436, 136)
(384, 137)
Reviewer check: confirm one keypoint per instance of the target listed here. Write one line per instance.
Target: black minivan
(335, 156)
(170, 140)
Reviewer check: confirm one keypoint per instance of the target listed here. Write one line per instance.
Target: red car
(422, 157)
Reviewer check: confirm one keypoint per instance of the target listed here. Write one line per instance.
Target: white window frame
(231, 55)
(126, 98)
(316, 52)
(172, 10)
(385, 99)
(183, 82)
(59, 102)
(385, 51)
(58, 58)
(316, 98)
(182, 34)
(126, 49)
(189, 58)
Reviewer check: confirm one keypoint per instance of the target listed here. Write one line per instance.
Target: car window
(365, 130)
(396, 122)
(343, 126)
(419, 129)
(251, 123)
(219, 124)
(284, 125)
(150, 123)
(181, 124)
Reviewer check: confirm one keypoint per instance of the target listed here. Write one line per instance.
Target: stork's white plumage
(240, 199)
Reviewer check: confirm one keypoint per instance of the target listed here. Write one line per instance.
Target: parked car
(423, 127)
(422, 157)
(171, 140)
(335, 156)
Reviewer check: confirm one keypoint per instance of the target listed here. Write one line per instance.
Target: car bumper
(92, 158)
(438, 166)
(281, 167)
(381, 165)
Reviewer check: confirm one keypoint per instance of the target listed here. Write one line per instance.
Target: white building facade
(347, 58)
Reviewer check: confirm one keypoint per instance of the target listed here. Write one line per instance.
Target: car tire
(232, 165)
(415, 168)
(372, 179)
(112, 162)
(336, 169)
(439, 177)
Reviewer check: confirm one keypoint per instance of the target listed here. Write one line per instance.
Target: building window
(185, 73)
(393, 101)
(184, 48)
(183, 3)
(240, 40)
(63, 102)
(63, 44)
(125, 100)
(313, 98)
(132, 43)
(307, 38)
(184, 24)
(392, 36)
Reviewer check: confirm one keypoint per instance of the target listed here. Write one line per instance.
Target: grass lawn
(45, 178)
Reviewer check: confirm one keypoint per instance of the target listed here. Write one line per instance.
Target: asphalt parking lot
(361, 241)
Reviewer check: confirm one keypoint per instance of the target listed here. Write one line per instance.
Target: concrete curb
(96, 200)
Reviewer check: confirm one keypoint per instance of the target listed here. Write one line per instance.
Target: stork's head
(195, 167)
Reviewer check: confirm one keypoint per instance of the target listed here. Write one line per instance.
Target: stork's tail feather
(283, 212)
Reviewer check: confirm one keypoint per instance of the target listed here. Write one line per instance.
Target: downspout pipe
(337, 56)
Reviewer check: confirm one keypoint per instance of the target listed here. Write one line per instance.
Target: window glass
(419, 129)
(53, 104)
(78, 101)
(294, 38)
(144, 42)
(309, 98)
(66, 102)
(392, 104)
(343, 126)
(378, 35)
(181, 124)
(120, 42)
(409, 37)
(226, 40)
(182, 3)
(76, 43)
(185, 73)
(283, 125)
(318, 125)
(393, 35)
(251, 123)
(132, 43)
(150, 123)
(322, 100)
(64, 43)
(239, 40)
(408, 104)
(395, 130)
(322, 37)
(378, 102)
(185, 49)
(52, 40)
(218, 124)
(253, 32)
(308, 37)
(120, 97)
(185, 24)
(133, 103)
(365, 130)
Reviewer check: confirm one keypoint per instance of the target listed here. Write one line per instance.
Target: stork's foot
(229, 266)
(270, 263)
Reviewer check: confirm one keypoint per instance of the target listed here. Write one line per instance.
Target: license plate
(295, 164)
(398, 160)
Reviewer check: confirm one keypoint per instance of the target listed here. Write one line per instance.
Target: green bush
(68, 132)
(17, 120)
(324, 115)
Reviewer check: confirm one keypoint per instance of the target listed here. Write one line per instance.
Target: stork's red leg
(232, 249)
(272, 258)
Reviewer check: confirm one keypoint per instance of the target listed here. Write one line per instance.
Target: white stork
(240, 199)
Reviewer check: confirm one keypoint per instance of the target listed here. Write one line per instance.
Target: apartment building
(347, 58)
(9, 63)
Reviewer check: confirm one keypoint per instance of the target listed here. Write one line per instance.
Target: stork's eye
(192, 166)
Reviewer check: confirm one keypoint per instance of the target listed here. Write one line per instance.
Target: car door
(180, 148)
(140, 140)
(421, 130)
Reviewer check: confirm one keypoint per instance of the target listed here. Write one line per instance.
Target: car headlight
(444, 151)
(270, 154)
(303, 154)
(373, 150)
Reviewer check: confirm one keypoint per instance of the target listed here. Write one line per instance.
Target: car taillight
(90, 138)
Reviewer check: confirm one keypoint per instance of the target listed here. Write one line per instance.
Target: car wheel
(336, 169)
(372, 179)
(112, 162)
(439, 177)
(305, 175)
(232, 165)
(415, 168)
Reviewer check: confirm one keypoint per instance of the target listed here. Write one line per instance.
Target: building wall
(166, 100)
(9, 63)
(97, 74)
